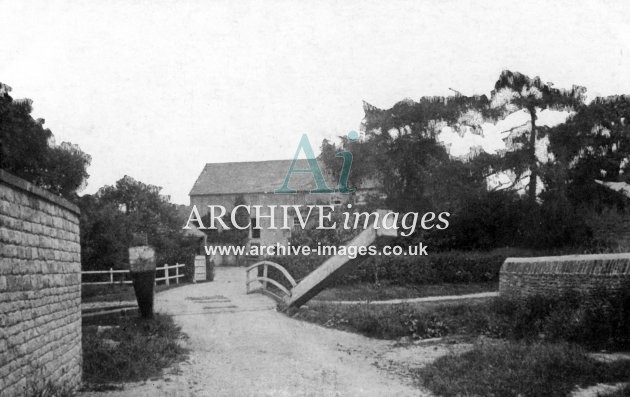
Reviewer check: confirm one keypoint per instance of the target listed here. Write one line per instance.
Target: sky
(156, 89)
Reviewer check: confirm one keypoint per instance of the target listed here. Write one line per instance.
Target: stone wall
(40, 290)
(557, 274)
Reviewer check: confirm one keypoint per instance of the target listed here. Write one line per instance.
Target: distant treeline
(550, 202)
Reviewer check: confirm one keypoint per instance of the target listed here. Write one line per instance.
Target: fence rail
(256, 283)
(122, 280)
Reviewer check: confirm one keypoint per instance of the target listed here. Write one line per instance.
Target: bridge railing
(257, 283)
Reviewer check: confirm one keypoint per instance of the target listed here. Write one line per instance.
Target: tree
(459, 111)
(66, 172)
(594, 143)
(104, 234)
(27, 149)
(115, 213)
(514, 91)
(400, 152)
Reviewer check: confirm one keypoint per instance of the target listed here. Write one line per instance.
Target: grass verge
(377, 321)
(131, 349)
(115, 292)
(543, 352)
(509, 369)
(598, 320)
(388, 290)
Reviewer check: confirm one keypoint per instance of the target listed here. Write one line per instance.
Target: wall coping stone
(571, 258)
(28, 187)
(593, 265)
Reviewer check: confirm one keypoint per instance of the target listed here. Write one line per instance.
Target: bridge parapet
(257, 283)
(315, 281)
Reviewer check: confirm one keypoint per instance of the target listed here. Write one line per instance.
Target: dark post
(142, 269)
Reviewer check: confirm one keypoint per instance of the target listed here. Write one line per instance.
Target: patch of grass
(388, 290)
(518, 369)
(597, 320)
(377, 321)
(141, 348)
(417, 320)
(115, 292)
(48, 389)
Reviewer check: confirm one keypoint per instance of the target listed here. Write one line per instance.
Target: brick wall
(556, 274)
(40, 289)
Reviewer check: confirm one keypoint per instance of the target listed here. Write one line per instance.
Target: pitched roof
(255, 177)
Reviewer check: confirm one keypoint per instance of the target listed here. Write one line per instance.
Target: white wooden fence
(122, 279)
(166, 278)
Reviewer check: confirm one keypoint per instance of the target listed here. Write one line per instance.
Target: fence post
(111, 275)
(176, 273)
(166, 274)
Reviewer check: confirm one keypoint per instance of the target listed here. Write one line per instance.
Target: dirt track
(240, 346)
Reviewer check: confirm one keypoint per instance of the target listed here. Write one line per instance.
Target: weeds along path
(240, 346)
(425, 299)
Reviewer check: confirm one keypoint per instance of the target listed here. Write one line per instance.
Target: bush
(518, 369)
(447, 267)
(145, 348)
(597, 320)
(600, 318)
(377, 321)
(384, 322)
(502, 218)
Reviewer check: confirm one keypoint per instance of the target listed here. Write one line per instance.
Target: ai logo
(305, 146)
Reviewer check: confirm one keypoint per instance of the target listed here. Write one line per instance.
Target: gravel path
(240, 346)
(441, 298)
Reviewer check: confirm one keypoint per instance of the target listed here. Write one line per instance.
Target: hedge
(446, 267)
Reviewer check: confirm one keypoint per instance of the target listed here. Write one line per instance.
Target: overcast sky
(156, 89)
